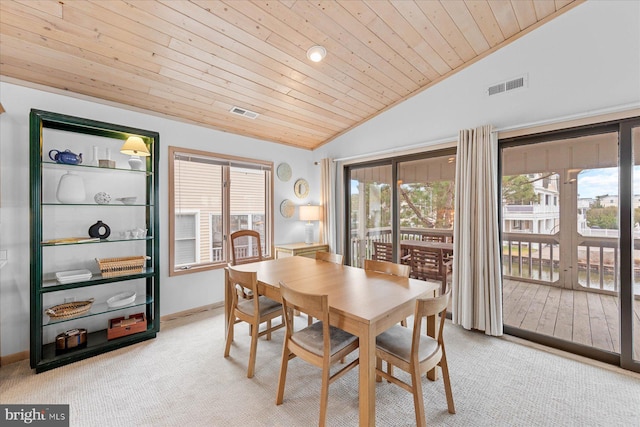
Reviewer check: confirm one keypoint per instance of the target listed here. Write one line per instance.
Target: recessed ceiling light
(316, 53)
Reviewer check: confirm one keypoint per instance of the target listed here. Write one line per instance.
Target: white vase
(135, 163)
(94, 161)
(70, 188)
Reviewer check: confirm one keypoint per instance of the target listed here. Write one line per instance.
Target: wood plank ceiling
(195, 60)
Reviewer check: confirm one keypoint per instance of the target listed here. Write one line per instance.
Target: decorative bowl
(127, 200)
(121, 300)
(72, 276)
(69, 309)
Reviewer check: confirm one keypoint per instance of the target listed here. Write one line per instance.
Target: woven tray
(69, 309)
(111, 267)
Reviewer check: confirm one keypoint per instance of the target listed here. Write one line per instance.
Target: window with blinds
(211, 196)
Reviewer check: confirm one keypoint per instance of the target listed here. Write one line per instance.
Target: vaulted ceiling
(196, 60)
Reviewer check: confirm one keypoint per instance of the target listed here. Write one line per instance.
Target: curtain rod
(397, 149)
(454, 138)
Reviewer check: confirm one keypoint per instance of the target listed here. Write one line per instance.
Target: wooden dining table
(361, 302)
(445, 247)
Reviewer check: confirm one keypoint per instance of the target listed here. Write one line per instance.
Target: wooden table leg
(367, 368)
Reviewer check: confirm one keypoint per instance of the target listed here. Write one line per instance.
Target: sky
(599, 182)
(591, 182)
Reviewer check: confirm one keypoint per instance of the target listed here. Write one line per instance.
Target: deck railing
(536, 257)
(362, 249)
(533, 257)
(241, 252)
(525, 256)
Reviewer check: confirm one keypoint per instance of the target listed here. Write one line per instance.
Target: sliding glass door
(370, 214)
(630, 271)
(400, 205)
(569, 208)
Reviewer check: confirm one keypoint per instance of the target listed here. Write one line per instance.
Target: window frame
(227, 162)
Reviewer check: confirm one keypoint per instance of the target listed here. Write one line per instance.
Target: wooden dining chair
(382, 251)
(255, 311)
(416, 353)
(329, 257)
(387, 267)
(245, 248)
(429, 264)
(320, 344)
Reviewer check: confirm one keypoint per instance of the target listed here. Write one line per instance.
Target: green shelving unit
(52, 220)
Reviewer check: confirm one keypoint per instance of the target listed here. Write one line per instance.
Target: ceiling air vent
(242, 112)
(517, 83)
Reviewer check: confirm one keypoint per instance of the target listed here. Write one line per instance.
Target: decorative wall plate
(301, 188)
(284, 172)
(287, 208)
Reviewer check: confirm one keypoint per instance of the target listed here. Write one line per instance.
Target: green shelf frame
(42, 355)
(97, 343)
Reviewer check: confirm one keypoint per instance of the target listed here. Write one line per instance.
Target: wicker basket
(112, 267)
(69, 309)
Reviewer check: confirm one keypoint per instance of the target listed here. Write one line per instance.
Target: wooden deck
(582, 317)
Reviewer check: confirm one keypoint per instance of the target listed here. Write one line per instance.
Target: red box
(121, 327)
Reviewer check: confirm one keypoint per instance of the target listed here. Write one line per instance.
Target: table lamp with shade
(309, 213)
(135, 147)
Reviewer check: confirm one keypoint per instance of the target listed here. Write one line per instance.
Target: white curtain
(477, 279)
(327, 199)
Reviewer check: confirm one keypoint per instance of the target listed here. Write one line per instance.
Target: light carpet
(182, 379)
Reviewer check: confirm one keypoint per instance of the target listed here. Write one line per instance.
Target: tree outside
(607, 218)
(422, 205)
(427, 205)
(518, 190)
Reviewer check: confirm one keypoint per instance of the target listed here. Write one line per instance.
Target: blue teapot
(66, 157)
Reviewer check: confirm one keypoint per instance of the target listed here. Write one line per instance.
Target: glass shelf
(50, 284)
(97, 309)
(89, 168)
(96, 341)
(110, 240)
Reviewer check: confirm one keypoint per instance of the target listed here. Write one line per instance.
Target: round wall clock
(301, 188)
(284, 172)
(287, 208)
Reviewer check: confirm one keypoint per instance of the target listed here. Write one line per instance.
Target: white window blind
(221, 190)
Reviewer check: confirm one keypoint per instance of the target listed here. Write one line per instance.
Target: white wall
(177, 293)
(584, 61)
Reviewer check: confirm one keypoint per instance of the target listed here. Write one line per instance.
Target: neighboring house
(541, 217)
(584, 203)
(612, 200)
(199, 211)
